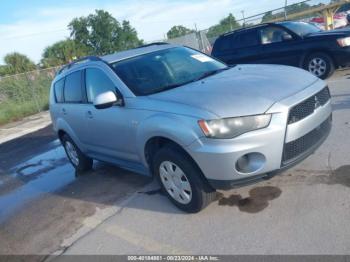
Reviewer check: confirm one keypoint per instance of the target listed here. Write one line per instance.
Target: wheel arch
(155, 143)
(179, 130)
(317, 50)
(63, 128)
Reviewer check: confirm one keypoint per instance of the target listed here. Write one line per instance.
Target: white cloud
(152, 19)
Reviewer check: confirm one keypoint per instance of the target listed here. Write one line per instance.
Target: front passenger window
(271, 35)
(97, 82)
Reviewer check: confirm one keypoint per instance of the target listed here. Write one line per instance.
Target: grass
(24, 95)
(12, 111)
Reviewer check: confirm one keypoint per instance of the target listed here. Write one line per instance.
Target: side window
(72, 88)
(97, 82)
(58, 88)
(271, 35)
(225, 43)
(247, 39)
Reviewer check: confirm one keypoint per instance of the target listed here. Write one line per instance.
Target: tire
(79, 161)
(320, 64)
(186, 186)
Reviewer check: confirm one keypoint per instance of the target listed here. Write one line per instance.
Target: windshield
(301, 28)
(162, 70)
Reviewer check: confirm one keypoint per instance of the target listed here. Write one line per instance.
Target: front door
(280, 47)
(110, 132)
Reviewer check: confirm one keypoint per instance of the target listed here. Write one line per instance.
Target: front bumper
(218, 158)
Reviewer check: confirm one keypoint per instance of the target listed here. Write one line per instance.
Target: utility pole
(285, 9)
(243, 18)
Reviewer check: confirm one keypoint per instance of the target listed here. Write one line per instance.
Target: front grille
(308, 106)
(297, 148)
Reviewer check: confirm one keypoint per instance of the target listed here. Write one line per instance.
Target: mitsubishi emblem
(317, 103)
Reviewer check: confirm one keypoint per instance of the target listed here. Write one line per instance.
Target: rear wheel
(181, 180)
(320, 65)
(75, 156)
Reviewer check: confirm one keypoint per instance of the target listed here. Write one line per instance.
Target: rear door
(239, 48)
(247, 47)
(73, 108)
(223, 49)
(280, 46)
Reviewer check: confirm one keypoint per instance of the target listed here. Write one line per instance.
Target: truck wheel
(320, 65)
(181, 180)
(75, 156)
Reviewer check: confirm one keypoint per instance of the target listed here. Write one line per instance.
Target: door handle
(89, 114)
(64, 111)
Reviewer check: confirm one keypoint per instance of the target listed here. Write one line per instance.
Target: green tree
(62, 52)
(177, 31)
(102, 34)
(16, 63)
(227, 24)
(268, 16)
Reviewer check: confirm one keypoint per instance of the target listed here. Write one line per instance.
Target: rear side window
(247, 39)
(58, 88)
(97, 82)
(72, 88)
(225, 43)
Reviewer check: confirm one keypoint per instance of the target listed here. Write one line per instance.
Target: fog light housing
(250, 163)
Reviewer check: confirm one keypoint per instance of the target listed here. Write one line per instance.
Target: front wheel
(320, 65)
(181, 180)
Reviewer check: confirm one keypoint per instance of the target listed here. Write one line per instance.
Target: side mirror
(105, 100)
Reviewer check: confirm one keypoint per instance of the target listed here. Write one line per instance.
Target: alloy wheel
(72, 153)
(318, 66)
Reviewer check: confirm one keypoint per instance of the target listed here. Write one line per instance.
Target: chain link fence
(24, 94)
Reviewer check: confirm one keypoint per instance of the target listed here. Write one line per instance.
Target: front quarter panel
(182, 130)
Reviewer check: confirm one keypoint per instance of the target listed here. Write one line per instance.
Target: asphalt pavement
(46, 207)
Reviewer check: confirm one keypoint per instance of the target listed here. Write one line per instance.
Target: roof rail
(245, 28)
(77, 61)
(155, 43)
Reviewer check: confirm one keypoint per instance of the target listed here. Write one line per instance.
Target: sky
(28, 26)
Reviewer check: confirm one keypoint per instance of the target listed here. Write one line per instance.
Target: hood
(334, 33)
(242, 90)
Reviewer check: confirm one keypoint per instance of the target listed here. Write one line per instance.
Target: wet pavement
(44, 173)
(43, 200)
(45, 206)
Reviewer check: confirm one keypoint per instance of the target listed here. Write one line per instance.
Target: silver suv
(188, 119)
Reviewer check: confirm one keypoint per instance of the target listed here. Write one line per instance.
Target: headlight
(231, 127)
(343, 42)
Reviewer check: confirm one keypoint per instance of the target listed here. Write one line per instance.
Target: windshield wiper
(205, 75)
(210, 73)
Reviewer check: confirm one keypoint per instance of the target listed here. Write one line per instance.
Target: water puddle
(44, 173)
